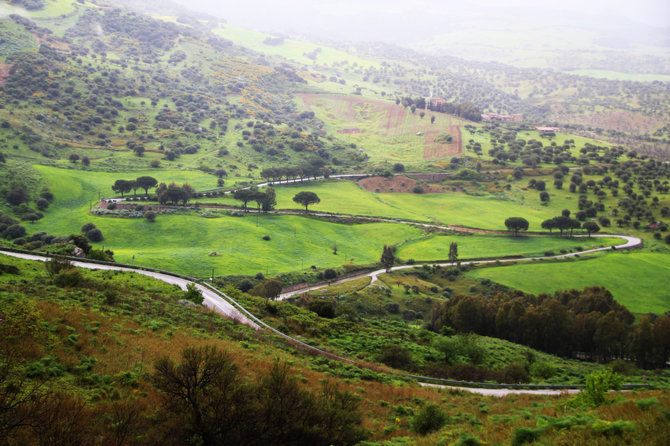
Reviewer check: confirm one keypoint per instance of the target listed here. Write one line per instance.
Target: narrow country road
(218, 304)
(502, 392)
(211, 299)
(631, 242)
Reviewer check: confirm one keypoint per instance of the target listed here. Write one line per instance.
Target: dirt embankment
(4, 72)
(397, 184)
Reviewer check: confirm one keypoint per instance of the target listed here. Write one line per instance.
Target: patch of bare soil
(397, 185)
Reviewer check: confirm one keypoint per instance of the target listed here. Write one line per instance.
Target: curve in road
(210, 299)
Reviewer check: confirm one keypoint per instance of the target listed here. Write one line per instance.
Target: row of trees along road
(125, 186)
(265, 199)
(562, 223)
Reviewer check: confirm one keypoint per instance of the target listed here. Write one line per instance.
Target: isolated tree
(453, 252)
(306, 198)
(432, 119)
(94, 235)
(544, 196)
(86, 161)
(206, 394)
(388, 257)
(146, 183)
(516, 224)
(591, 227)
(398, 167)
(42, 204)
(73, 158)
(139, 150)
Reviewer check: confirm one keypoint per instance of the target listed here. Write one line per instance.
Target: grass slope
(637, 280)
(470, 246)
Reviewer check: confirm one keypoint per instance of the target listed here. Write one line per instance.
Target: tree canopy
(306, 198)
(516, 224)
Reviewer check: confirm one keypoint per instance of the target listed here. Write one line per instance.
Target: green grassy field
(473, 246)
(486, 211)
(638, 280)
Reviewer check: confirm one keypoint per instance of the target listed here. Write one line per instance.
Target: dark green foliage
(17, 196)
(329, 274)
(516, 224)
(524, 435)
(417, 189)
(150, 216)
(388, 257)
(87, 227)
(396, 356)
(68, 278)
(306, 198)
(205, 394)
(94, 235)
(13, 232)
(42, 204)
(647, 403)
(615, 428)
(591, 227)
(245, 285)
(429, 419)
(467, 439)
(193, 294)
(323, 308)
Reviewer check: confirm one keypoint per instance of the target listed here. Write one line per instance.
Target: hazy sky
(314, 15)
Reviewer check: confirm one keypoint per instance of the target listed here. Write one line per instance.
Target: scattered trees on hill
(516, 224)
(306, 198)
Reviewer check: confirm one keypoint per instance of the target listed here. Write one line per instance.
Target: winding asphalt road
(215, 302)
(210, 298)
(631, 242)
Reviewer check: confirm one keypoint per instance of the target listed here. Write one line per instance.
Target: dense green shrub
(429, 419)
(396, 356)
(523, 435)
(323, 308)
(94, 235)
(68, 278)
(542, 369)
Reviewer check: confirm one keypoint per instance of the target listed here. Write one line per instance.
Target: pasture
(475, 246)
(638, 280)
(386, 131)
